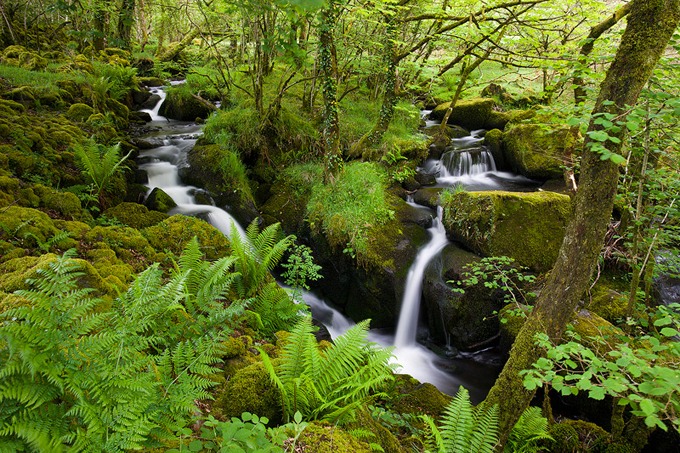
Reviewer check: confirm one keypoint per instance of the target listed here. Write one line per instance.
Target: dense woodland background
(125, 328)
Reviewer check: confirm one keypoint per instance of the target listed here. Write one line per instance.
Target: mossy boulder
(182, 105)
(27, 227)
(409, 396)
(62, 205)
(221, 172)
(159, 201)
(175, 232)
(79, 112)
(20, 56)
(528, 227)
(380, 435)
(135, 215)
(290, 194)
(493, 140)
(130, 246)
(322, 437)
(250, 390)
(478, 113)
(537, 151)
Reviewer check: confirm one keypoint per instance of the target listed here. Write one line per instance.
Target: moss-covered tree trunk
(174, 49)
(650, 26)
(328, 64)
(390, 64)
(595, 32)
(126, 20)
(100, 25)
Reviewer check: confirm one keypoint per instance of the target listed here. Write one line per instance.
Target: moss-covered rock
(180, 104)
(26, 227)
(63, 205)
(79, 112)
(159, 201)
(379, 434)
(528, 227)
(493, 140)
(320, 437)
(130, 246)
(135, 215)
(537, 151)
(478, 113)
(466, 321)
(250, 390)
(175, 232)
(221, 172)
(20, 56)
(409, 396)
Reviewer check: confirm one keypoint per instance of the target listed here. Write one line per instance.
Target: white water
(163, 172)
(410, 305)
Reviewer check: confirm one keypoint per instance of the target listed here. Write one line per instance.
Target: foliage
(247, 434)
(78, 371)
(100, 164)
(501, 273)
(122, 80)
(256, 255)
(464, 428)
(300, 269)
(347, 209)
(641, 373)
(329, 384)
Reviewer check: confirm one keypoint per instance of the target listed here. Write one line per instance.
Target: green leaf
(597, 393)
(195, 445)
(647, 407)
(668, 332)
(599, 136)
(617, 159)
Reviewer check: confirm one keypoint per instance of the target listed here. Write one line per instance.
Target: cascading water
(410, 305)
(161, 165)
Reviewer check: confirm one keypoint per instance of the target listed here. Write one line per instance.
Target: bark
(650, 26)
(100, 28)
(595, 32)
(328, 63)
(126, 20)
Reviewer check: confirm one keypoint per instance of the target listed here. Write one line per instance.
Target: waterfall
(467, 163)
(161, 166)
(410, 304)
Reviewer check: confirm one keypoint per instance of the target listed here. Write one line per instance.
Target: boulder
(478, 113)
(537, 151)
(182, 105)
(465, 321)
(160, 201)
(135, 215)
(526, 226)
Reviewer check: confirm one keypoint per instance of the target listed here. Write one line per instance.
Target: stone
(526, 226)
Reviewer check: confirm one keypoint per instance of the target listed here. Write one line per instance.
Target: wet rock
(427, 196)
(150, 102)
(139, 117)
(160, 201)
(182, 105)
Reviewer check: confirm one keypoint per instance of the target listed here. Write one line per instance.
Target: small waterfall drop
(410, 305)
(161, 166)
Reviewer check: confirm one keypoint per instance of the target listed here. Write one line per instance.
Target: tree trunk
(650, 26)
(587, 48)
(175, 48)
(100, 27)
(328, 63)
(126, 20)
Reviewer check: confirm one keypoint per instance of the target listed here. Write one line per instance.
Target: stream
(465, 162)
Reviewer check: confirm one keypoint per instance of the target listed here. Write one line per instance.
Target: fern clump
(329, 384)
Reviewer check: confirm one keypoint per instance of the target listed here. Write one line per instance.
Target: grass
(348, 209)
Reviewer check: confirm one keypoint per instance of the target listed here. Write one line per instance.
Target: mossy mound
(250, 390)
(135, 215)
(20, 56)
(129, 245)
(409, 396)
(221, 172)
(607, 301)
(61, 205)
(478, 113)
(379, 434)
(528, 227)
(537, 151)
(182, 105)
(493, 140)
(174, 233)
(79, 112)
(30, 229)
(320, 437)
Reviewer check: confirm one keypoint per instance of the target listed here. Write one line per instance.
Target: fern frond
(528, 432)
(457, 422)
(484, 436)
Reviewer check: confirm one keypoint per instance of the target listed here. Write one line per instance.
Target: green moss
(65, 205)
(15, 272)
(26, 227)
(135, 215)
(182, 229)
(380, 435)
(250, 390)
(474, 113)
(494, 141)
(113, 270)
(572, 436)
(159, 201)
(528, 227)
(181, 104)
(290, 194)
(537, 151)
(409, 396)
(321, 437)
(79, 112)
(130, 245)
(19, 56)
(607, 302)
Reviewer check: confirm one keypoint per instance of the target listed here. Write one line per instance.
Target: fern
(328, 385)
(464, 428)
(529, 432)
(99, 164)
